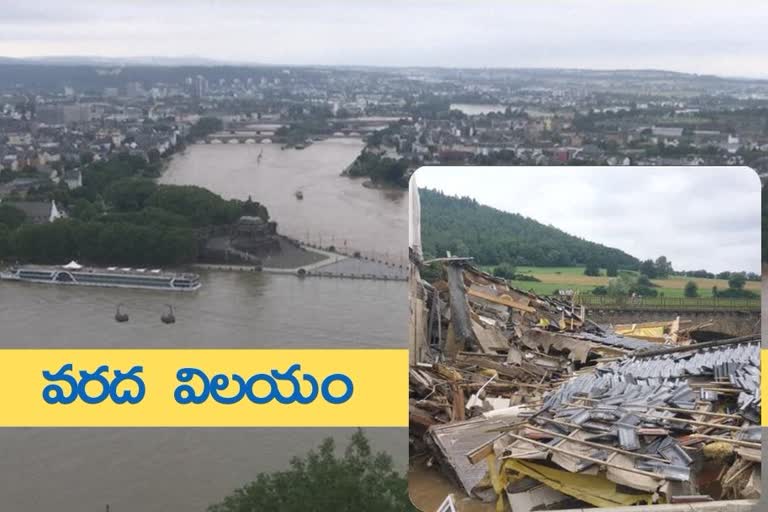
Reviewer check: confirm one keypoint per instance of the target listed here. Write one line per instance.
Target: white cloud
(702, 36)
(699, 217)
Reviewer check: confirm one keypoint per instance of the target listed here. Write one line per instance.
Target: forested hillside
(120, 216)
(466, 228)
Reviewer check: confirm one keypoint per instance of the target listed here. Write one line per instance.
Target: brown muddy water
(185, 470)
(335, 210)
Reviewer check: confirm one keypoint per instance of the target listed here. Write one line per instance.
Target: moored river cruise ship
(76, 274)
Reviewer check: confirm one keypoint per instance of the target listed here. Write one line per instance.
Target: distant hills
(499, 72)
(32, 76)
(86, 60)
(466, 228)
(90, 75)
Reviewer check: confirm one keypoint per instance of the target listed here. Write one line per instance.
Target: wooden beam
(458, 402)
(504, 300)
(667, 323)
(420, 418)
(679, 420)
(693, 422)
(598, 445)
(585, 457)
(736, 442)
(461, 321)
(508, 371)
(482, 451)
(673, 409)
(752, 338)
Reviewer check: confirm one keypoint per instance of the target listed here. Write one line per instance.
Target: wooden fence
(681, 303)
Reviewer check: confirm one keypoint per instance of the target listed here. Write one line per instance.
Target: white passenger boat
(76, 274)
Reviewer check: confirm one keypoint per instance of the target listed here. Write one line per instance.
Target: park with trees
(121, 216)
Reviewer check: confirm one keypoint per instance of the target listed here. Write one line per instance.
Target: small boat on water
(120, 315)
(169, 317)
(299, 194)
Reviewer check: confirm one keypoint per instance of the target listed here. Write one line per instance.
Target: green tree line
(380, 169)
(120, 216)
(466, 228)
(204, 127)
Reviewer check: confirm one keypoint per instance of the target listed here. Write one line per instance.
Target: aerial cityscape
(61, 122)
(57, 118)
(294, 171)
(228, 175)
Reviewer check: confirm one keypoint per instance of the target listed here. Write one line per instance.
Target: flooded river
(335, 209)
(185, 470)
(232, 309)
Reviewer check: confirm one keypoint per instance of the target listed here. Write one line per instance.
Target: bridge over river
(250, 137)
(364, 230)
(249, 132)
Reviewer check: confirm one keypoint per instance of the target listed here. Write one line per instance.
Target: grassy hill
(573, 278)
(553, 257)
(466, 228)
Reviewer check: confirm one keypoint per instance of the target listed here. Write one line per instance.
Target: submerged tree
(320, 481)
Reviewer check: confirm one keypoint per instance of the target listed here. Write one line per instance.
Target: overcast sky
(700, 36)
(698, 217)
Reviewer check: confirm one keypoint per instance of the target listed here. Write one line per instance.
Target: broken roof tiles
(571, 406)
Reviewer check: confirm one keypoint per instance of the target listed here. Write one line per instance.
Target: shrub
(505, 271)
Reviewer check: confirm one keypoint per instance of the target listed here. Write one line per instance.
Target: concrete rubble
(523, 401)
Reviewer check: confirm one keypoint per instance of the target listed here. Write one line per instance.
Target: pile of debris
(674, 331)
(470, 310)
(523, 401)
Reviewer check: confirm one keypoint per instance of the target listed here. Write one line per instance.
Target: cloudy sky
(698, 217)
(701, 36)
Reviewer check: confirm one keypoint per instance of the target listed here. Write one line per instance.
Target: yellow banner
(203, 388)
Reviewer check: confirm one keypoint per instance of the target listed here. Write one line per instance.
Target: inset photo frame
(584, 337)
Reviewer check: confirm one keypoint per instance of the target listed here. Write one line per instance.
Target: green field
(573, 278)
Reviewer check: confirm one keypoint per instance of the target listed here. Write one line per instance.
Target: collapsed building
(524, 403)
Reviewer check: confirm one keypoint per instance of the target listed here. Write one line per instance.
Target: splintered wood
(532, 387)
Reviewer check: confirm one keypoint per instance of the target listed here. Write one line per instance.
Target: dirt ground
(428, 487)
